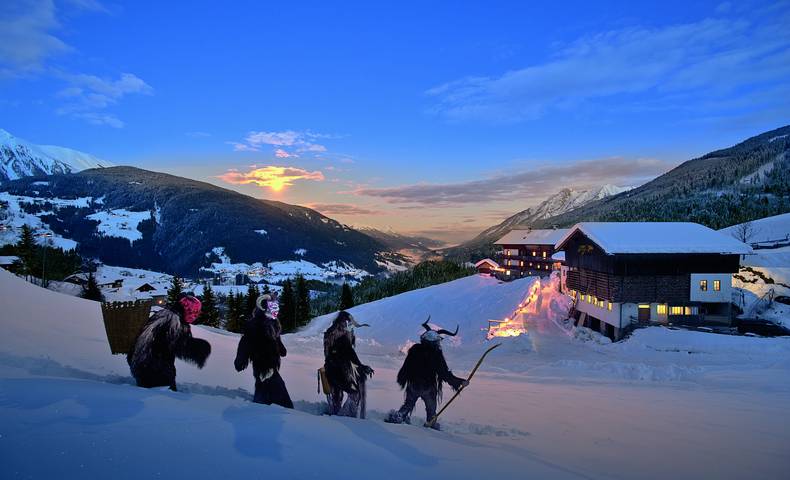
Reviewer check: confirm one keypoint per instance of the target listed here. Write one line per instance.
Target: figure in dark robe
(345, 373)
(166, 336)
(422, 375)
(261, 344)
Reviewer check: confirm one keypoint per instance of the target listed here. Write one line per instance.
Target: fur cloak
(261, 344)
(425, 370)
(341, 363)
(163, 339)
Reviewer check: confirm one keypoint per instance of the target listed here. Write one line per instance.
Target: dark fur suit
(344, 371)
(261, 345)
(163, 339)
(422, 375)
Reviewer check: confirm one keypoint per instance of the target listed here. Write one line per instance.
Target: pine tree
(209, 314)
(176, 288)
(233, 323)
(26, 251)
(91, 290)
(346, 297)
(266, 288)
(252, 296)
(287, 315)
(302, 311)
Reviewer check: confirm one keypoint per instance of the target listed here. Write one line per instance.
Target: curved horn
(354, 322)
(447, 332)
(425, 324)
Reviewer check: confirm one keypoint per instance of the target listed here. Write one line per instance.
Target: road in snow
(661, 404)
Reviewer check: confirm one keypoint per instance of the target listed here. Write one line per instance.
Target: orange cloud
(272, 176)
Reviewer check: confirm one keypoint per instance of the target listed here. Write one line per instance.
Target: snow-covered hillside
(663, 404)
(20, 158)
(764, 232)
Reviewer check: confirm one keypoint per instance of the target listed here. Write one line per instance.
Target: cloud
(342, 209)
(280, 153)
(714, 57)
(293, 140)
(26, 36)
(535, 184)
(272, 176)
(88, 95)
(243, 147)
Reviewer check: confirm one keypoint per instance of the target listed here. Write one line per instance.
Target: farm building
(621, 274)
(486, 266)
(529, 252)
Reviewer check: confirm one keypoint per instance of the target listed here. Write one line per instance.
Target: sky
(429, 118)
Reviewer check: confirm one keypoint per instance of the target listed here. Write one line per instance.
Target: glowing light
(272, 176)
(514, 326)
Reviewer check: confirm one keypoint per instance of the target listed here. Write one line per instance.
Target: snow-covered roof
(486, 260)
(656, 237)
(532, 237)
(8, 259)
(559, 256)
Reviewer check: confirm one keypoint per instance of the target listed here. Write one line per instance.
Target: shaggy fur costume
(261, 345)
(163, 339)
(344, 371)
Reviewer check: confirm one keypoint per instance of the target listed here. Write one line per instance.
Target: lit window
(609, 306)
(507, 273)
(589, 298)
(522, 263)
(716, 285)
(544, 254)
(676, 310)
(661, 309)
(534, 253)
(703, 285)
(686, 310)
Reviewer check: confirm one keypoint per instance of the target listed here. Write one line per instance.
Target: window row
(703, 285)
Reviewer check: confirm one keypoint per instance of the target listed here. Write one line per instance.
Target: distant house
(146, 287)
(528, 252)
(117, 283)
(621, 274)
(77, 279)
(486, 266)
(7, 261)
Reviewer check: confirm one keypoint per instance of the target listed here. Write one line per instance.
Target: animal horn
(425, 324)
(354, 322)
(447, 332)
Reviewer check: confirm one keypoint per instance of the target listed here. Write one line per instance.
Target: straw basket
(123, 322)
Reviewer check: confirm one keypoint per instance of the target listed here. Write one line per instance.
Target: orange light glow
(514, 325)
(272, 176)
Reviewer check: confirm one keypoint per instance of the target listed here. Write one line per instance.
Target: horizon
(381, 118)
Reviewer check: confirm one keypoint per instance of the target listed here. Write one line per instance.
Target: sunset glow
(274, 177)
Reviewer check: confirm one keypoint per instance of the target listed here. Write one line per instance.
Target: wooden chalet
(528, 252)
(621, 274)
(487, 266)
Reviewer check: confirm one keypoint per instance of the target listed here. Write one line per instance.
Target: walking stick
(432, 421)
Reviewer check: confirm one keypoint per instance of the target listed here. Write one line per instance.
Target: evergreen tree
(266, 289)
(252, 296)
(287, 304)
(176, 288)
(302, 310)
(346, 297)
(91, 290)
(26, 250)
(209, 314)
(233, 321)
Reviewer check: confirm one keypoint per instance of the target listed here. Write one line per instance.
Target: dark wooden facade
(530, 259)
(632, 278)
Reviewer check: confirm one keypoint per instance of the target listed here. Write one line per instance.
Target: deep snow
(665, 403)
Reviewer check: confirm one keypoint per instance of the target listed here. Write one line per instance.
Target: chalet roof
(656, 237)
(532, 237)
(8, 259)
(486, 260)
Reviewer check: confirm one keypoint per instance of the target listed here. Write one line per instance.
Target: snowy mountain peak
(561, 202)
(20, 158)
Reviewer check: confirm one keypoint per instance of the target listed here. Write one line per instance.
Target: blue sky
(438, 118)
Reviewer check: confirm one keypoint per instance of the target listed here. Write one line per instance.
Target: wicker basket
(123, 322)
